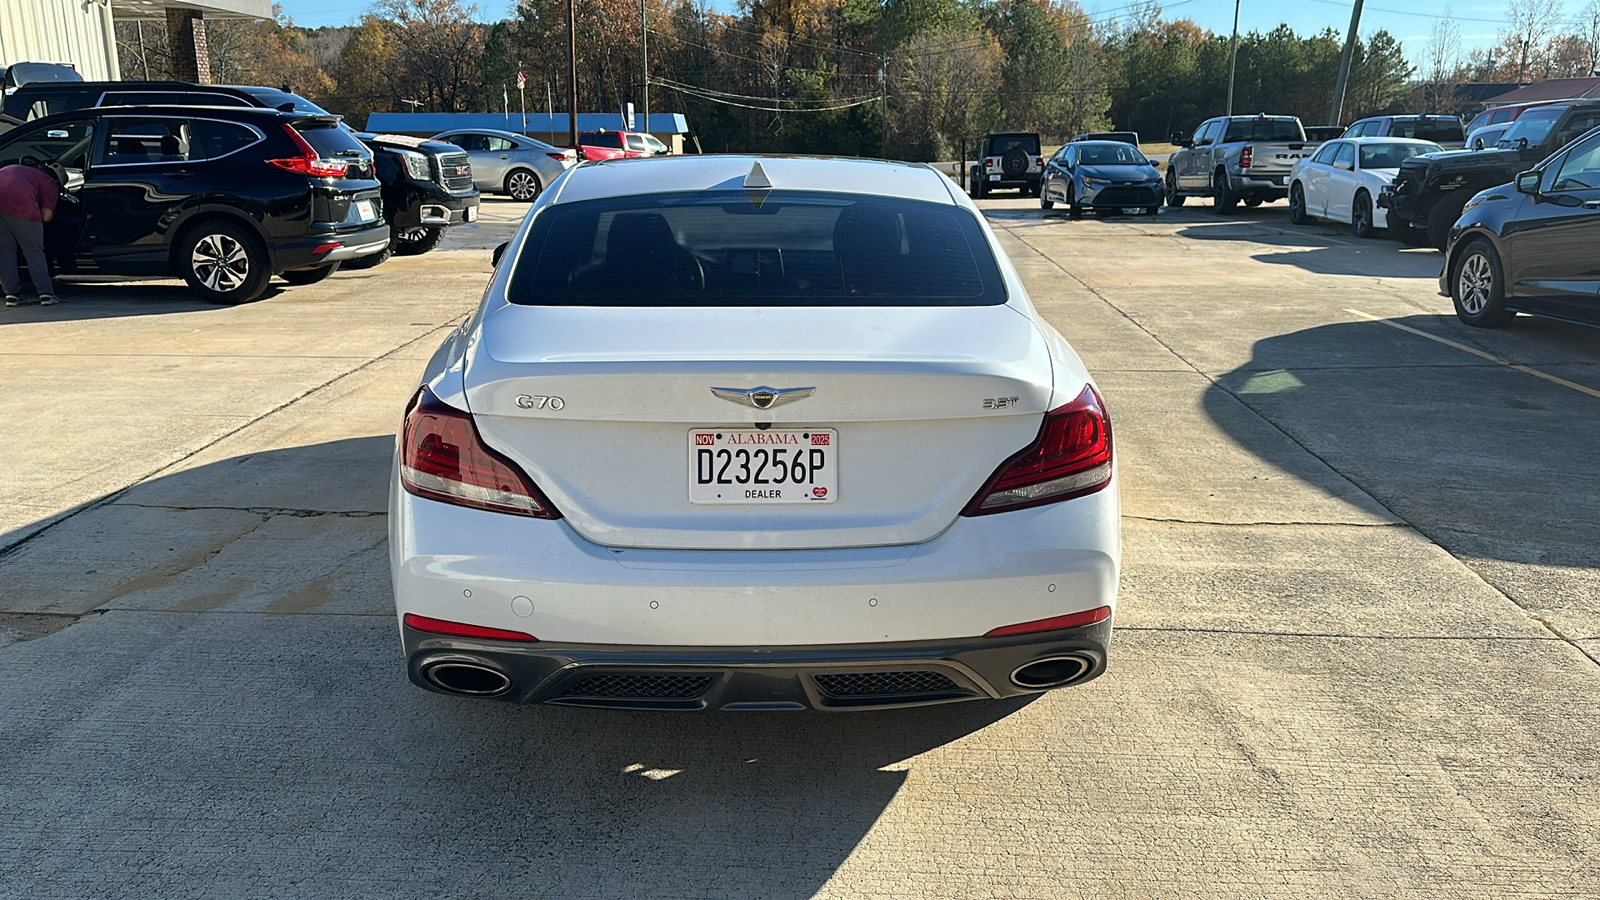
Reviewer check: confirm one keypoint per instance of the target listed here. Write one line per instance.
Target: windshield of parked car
(1428, 129)
(761, 248)
(1532, 126)
(1390, 156)
(1111, 155)
(1264, 130)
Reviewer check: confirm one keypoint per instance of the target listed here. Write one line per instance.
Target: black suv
(225, 198)
(427, 185)
(1431, 190)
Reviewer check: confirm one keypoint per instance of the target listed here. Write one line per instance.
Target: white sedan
(1342, 181)
(736, 432)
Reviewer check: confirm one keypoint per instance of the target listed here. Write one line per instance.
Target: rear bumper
(830, 678)
(1270, 187)
(302, 252)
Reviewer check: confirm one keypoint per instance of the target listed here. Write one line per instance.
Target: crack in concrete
(50, 524)
(1247, 632)
(267, 511)
(1097, 294)
(1288, 524)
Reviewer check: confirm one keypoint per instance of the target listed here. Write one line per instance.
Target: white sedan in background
(758, 433)
(1342, 181)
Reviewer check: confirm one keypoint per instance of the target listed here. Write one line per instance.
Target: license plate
(472, 214)
(994, 177)
(365, 211)
(1131, 210)
(752, 466)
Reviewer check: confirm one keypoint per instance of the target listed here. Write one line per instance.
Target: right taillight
(1071, 457)
(443, 458)
(308, 163)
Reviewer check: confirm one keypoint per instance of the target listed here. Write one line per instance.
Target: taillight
(1071, 457)
(442, 458)
(1245, 156)
(1038, 161)
(558, 157)
(308, 163)
(461, 629)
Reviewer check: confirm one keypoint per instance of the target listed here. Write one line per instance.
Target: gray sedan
(504, 162)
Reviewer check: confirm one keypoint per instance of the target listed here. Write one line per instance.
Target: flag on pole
(522, 80)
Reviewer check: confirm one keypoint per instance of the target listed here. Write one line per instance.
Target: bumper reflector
(459, 629)
(1054, 623)
(324, 248)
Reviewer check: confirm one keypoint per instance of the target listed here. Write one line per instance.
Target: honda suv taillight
(443, 458)
(308, 163)
(1071, 457)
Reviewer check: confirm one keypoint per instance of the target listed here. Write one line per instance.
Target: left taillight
(1246, 157)
(1071, 457)
(443, 458)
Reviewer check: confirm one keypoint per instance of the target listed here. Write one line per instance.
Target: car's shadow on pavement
(105, 299)
(242, 684)
(1488, 461)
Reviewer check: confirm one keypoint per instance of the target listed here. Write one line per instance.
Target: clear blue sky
(1408, 20)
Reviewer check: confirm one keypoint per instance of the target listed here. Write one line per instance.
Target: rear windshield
(1533, 125)
(330, 141)
(1428, 129)
(1390, 156)
(609, 139)
(274, 99)
(1280, 130)
(1001, 144)
(755, 248)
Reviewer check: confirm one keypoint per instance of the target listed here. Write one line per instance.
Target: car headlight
(1098, 182)
(416, 165)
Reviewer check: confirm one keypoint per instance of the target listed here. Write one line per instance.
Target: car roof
(184, 109)
(1104, 143)
(598, 179)
(1379, 139)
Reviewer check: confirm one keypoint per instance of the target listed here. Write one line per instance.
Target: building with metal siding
(78, 32)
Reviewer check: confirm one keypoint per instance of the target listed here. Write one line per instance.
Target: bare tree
(1442, 69)
(1525, 41)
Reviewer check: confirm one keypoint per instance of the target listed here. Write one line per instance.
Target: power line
(700, 94)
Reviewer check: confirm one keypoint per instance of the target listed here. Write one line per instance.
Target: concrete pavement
(1360, 583)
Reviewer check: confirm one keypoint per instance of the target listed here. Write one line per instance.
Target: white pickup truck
(1236, 158)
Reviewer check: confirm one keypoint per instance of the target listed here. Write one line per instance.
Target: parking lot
(1357, 647)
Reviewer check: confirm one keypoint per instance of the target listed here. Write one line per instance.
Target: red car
(604, 144)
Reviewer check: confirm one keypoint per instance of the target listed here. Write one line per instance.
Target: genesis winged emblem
(764, 397)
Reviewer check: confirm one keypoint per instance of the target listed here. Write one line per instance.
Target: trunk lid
(921, 404)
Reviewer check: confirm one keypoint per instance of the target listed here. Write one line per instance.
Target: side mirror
(1341, 164)
(499, 252)
(1180, 138)
(1528, 183)
(57, 134)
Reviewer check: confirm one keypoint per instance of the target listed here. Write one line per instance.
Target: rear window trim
(986, 260)
(260, 136)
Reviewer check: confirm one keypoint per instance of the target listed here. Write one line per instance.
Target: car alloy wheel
(522, 186)
(220, 262)
(1475, 282)
(1361, 217)
(1297, 205)
(1173, 197)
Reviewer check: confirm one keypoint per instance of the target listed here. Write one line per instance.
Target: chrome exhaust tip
(464, 676)
(1052, 672)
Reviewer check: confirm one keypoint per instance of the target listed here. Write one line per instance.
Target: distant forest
(907, 78)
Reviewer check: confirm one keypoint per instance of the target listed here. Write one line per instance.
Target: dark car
(1009, 160)
(225, 198)
(1528, 246)
(1108, 176)
(427, 185)
(1121, 137)
(1321, 134)
(1430, 190)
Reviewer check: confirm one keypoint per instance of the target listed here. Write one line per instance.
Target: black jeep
(1011, 160)
(1430, 190)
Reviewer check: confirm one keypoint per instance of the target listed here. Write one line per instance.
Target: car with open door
(754, 433)
(223, 198)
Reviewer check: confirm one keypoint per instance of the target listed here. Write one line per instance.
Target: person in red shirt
(28, 197)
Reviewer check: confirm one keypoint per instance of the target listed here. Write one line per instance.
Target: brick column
(186, 37)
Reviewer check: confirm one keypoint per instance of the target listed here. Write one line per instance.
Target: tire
(1443, 215)
(1297, 205)
(1403, 231)
(1153, 210)
(224, 263)
(1477, 286)
(1222, 199)
(1173, 198)
(1073, 208)
(1253, 202)
(1045, 204)
(1014, 164)
(371, 259)
(523, 185)
(1361, 216)
(979, 185)
(417, 241)
(309, 276)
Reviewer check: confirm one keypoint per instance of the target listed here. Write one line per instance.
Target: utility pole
(1233, 55)
(883, 104)
(644, 49)
(572, 69)
(1344, 65)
